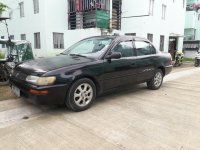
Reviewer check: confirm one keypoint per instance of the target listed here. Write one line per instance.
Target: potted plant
(3, 7)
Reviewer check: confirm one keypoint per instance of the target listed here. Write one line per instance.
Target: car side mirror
(114, 55)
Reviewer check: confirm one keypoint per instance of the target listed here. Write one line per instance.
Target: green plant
(3, 7)
(2, 56)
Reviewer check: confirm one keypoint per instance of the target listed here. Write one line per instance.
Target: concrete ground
(5, 93)
(133, 119)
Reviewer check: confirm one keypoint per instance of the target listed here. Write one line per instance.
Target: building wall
(192, 21)
(172, 24)
(53, 17)
(48, 20)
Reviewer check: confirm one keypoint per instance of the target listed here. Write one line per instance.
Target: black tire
(86, 99)
(4, 80)
(157, 80)
(197, 63)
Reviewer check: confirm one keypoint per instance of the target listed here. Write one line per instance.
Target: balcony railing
(93, 13)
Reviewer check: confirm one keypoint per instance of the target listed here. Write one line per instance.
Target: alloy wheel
(83, 95)
(158, 79)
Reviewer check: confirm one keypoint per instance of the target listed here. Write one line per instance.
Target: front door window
(125, 48)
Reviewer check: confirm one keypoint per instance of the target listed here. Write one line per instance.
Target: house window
(130, 34)
(12, 37)
(151, 7)
(37, 43)
(116, 14)
(21, 8)
(36, 6)
(3, 45)
(162, 41)
(23, 36)
(58, 40)
(164, 7)
(150, 37)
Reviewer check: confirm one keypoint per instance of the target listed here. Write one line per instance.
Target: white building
(52, 26)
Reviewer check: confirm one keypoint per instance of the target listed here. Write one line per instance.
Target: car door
(145, 62)
(119, 72)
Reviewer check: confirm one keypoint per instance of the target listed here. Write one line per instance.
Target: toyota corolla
(90, 68)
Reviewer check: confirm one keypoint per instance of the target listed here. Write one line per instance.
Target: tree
(3, 7)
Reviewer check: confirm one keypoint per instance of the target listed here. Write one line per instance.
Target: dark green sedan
(90, 68)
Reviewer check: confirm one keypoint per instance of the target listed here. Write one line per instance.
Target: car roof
(121, 37)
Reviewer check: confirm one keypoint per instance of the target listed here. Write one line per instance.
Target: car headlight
(41, 80)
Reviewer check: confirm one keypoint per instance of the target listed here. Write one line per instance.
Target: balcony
(84, 14)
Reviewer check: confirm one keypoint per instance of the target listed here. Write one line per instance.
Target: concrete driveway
(133, 119)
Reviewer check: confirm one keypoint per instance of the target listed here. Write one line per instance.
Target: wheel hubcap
(83, 95)
(158, 79)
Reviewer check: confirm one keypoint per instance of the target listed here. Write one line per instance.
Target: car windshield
(93, 47)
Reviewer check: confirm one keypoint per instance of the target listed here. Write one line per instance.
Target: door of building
(172, 46)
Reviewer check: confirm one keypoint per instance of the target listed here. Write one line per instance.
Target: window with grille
(58, 40)
(162, 41)
(36, 6)
(84, 14)
(23, 36)
(37, 43)
(21, 9)
(116, 14)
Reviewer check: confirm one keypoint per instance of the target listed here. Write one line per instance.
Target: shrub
(2, 56)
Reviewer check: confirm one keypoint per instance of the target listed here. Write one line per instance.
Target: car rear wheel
(156, 82)
(81, 95)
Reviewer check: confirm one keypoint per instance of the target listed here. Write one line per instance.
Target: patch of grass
(185, 59)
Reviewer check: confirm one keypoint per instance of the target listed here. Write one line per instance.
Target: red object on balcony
(78, 7)
(197, 6)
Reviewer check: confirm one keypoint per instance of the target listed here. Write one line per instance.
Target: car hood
(43, 65)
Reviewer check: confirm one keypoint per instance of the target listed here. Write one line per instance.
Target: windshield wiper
(77, 55)
(62, 54)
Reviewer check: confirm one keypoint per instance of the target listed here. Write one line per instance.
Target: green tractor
(12, 53)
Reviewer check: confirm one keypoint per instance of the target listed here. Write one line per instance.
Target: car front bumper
(56, 93)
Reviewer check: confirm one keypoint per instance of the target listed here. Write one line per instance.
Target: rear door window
(144, 48)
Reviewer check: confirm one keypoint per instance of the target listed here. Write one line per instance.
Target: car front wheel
(156, 82)
(81, 95)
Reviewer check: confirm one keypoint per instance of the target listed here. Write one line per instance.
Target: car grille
(19, 75)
